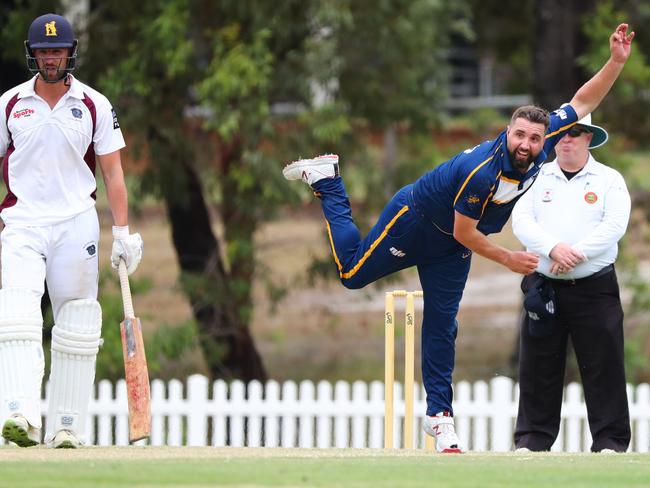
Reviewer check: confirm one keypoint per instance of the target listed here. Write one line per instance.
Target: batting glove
(126, 246)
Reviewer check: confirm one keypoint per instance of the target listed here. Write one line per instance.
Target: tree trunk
(558, 41)
(226, 341)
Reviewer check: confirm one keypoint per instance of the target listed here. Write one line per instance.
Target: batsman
(54, 130)
(437, 223)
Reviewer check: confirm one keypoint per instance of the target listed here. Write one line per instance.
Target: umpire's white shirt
(590, 211)
(49, 154)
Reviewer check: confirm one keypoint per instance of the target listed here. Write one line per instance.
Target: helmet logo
(50, 28)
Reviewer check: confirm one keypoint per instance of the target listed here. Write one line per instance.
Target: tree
(394, 67)
(251, 70)
(13, 30)
(558, 41)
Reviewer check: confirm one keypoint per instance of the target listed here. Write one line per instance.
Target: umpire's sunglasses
(577, 131)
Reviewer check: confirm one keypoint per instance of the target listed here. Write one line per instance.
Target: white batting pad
(75, 342)
(21, 354)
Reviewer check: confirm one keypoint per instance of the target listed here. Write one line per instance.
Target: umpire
(573, 217)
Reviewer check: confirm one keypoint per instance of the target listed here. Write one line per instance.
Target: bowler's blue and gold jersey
(481, 183)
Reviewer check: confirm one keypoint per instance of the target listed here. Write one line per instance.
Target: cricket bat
(135, 365)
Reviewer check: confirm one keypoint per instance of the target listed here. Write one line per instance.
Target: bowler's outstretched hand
(620, 43)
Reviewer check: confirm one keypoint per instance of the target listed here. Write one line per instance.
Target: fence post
(289, 398)
(359, 404)
(158, 404)
(122, 415)
(197, 399)
(462, 413)
(256, 402)
(176, 404)
(307, 402)
(104, 417)
(501, 406)
(573, 420)
(238, 402)
(341, 414)
(640, 416)
(481, 434)
(324, 419)
(221, 404)
(272, 420)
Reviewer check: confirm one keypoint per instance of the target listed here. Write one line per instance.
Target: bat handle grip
(126, 290)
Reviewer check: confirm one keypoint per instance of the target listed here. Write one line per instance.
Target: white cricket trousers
(65, 255)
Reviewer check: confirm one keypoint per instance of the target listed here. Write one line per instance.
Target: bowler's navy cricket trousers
(401, 238)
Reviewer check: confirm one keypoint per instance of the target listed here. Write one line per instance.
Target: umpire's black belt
(607, 269)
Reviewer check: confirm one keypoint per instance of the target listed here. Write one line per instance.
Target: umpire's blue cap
(50, 31)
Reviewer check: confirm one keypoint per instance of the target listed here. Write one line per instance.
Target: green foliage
(504, 29)
(14, 22)
(393, 58)
(237, 81)
(629, 102)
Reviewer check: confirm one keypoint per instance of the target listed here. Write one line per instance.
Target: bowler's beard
(521, 163)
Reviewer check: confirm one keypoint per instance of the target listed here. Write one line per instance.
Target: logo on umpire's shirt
(116, 124)
(76, 113)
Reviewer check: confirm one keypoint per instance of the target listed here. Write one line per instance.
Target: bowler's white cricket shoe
(312, 170)
(441, 427)
(64, 439)
(16, 429)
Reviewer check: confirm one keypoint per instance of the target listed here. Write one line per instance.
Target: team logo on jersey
(76, 113)
(116, 124)
(91, 249)
(472, 199)
(26, 112)
(397, 252)
(591, 197)
(50, 28)
(547, 196)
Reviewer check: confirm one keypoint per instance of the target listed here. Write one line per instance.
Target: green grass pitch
(182, 467)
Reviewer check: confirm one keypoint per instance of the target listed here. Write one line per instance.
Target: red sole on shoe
(452, 450)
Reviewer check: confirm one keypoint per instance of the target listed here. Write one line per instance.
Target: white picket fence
(323, 415)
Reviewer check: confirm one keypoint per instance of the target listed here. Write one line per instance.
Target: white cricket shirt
(49, 154)
(590, 211)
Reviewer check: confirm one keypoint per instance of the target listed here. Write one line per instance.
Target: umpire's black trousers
(589, 311)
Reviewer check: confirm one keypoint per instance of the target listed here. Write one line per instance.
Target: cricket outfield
(104, 467)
